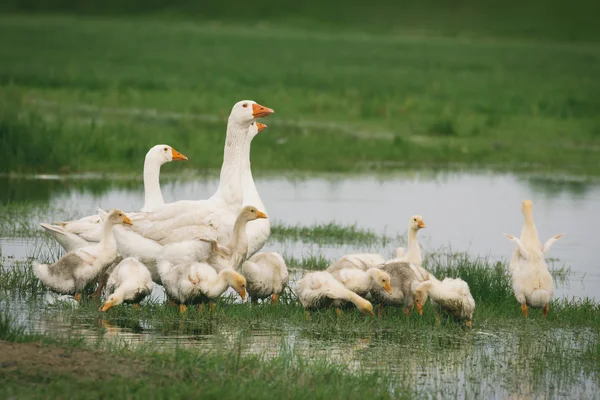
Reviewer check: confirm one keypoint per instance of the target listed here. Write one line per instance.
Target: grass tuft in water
(330, 233)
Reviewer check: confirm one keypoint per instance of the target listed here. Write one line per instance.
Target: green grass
(95, 94)
(330, 233)
(180, 373)
(535, 19)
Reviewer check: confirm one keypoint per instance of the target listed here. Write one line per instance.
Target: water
(464, 211)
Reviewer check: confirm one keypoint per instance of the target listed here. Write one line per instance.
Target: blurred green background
(91, 86)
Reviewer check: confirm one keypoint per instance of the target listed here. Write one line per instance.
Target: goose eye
(166, 149)
(245, 105)
(414, 219)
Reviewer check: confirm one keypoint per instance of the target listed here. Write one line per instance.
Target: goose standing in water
(198, 283)
(321, 290)
(235, 252)
(129, 282)
(359, 281)
(266, 275)
(451, 295)
(73, 271)
(532, 282)
(404, 279)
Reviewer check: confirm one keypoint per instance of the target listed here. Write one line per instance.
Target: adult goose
(184, 221)
(532, 282)
(88, 230)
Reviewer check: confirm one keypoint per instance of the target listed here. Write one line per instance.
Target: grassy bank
(35, 366)
(95, 94)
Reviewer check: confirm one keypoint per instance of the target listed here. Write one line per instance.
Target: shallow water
(463, 211)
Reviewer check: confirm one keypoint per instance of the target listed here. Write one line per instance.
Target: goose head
(118, 217)
(236, 281)
(250, 213)
(162, 154)
(365, 307)
(527, 207)
(420, 295)
(113, 300)
(381, 278)
(255, 128)
(416, 223)
(246, 111)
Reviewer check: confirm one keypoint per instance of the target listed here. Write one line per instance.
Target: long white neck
(239, 243)
(118, 295)
(413, 253)
(529, 233)
(108, 241)
(152, 194)
(356, 299)
(258, 230)
(251, 196)
(215, 287)
(230, 188)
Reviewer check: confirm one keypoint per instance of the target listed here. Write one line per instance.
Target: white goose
(129, 282)
(88, 230)
(321, 290)
(73, 271)
(361, 261)
(182, 222)
(532, 282)
(235, 252)
(359, 281)
(451, 295)
(404, 279)
(198, 283)
(266, 275)
(413, 253)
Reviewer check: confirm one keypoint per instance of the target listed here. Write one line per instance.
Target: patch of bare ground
(36, 362)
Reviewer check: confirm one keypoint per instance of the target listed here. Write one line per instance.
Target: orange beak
(177, 155)
(388, 288)
(259, 111)
(420, 309)
(421, 224)
(126, 220)
(261, 126)
(260, 214)
(106, 306)
(243, 294)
